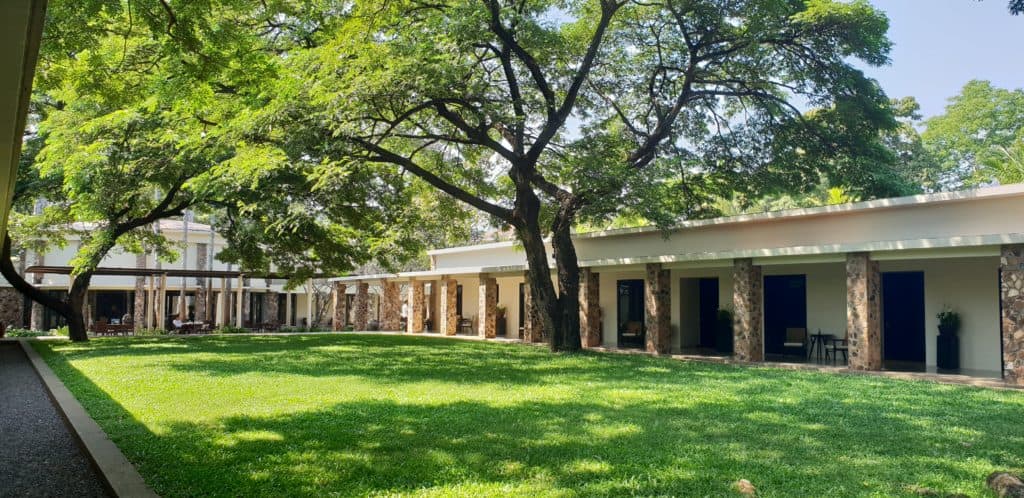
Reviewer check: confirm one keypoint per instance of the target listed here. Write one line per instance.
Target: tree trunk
(77, 328)
(9, 272)
(567, 335)
(558, 311)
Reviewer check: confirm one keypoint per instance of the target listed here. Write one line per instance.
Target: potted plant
(947, 344)
(500, 325)
(723, 331)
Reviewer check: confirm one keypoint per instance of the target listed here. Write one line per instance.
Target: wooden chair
(796, 337)
(838, 346)
(465, 326)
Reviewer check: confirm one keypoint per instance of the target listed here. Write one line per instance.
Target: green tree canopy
(544, 114)
(135, 111)
(976, 129)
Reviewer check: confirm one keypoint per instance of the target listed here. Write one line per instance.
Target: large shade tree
(545, 114)
(133, 112)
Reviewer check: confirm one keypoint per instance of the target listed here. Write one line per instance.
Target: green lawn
(393, 415)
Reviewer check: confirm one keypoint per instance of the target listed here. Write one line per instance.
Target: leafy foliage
(549, 114)
(980, 127)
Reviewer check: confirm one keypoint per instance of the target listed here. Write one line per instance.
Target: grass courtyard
(341, 415)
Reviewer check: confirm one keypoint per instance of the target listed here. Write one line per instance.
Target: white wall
(927, 225)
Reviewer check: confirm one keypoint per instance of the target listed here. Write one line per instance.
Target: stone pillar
(1011, 294)
(202, 296)
(487, 323)
(340, 311)
(362, 306)
(391, 307)
(139, 314)
(747, 299)
(590, 309)
(863, 312)
(657, 302)
(270, 307)
(533, 325)
(415, 308)
(38, 312)
(448, 319)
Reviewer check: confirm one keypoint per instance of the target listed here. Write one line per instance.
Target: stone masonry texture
(449, 317)
(340, 317)
(590, 309)
(748, 292)
(1011, 292)
(362, 306)
(863, 312)
(416, 307)
(391, 307)
(488, 307)
(657, 300)
(11, 305)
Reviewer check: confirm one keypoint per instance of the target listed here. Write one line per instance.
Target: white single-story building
(874, 273)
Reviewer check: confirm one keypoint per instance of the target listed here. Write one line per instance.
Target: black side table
(819, 341)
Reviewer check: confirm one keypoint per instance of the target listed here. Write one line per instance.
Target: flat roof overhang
(21, 28)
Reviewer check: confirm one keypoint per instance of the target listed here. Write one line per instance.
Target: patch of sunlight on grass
(233, 438)
(588, 466)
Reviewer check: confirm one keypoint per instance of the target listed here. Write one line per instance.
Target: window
(458, 300)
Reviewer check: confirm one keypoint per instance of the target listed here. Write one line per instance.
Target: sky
(939, 45)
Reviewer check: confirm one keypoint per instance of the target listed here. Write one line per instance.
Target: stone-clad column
(748, 294)
(448, 319)
(863, 312)
(391, 307)
(416, 308)
(340, 315)
(590, 309)
(362, 306)
(487, 324)
(1011, 293)
(139, 314)
(657, 300)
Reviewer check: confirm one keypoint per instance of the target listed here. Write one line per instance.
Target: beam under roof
(170, 272)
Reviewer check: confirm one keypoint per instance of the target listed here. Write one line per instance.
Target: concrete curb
(116, 471)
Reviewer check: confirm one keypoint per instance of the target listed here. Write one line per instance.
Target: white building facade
(152, 301)
(869, 277)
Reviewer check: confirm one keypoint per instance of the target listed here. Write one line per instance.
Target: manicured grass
(384, 415)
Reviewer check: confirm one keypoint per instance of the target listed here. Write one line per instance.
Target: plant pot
(723, 337)
(947, 351)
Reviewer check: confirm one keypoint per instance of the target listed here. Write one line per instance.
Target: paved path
(38, 456)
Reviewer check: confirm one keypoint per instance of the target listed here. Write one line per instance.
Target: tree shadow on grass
(698, 429)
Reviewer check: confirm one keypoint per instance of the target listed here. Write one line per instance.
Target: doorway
(630, 316)
(785, 306)
(903, 320)
(708, 292)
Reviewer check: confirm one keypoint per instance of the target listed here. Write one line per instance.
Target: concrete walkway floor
(38, 454)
